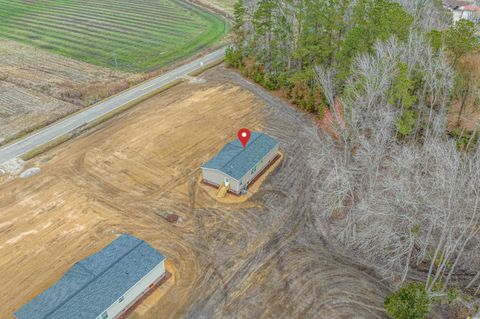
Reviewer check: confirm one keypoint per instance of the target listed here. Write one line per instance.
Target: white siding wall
(133, 293)
(260, 166)
(213, 176)
(234, 185)
(218, 178)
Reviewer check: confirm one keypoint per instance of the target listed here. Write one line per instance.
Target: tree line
(403, 185)
(281, 45)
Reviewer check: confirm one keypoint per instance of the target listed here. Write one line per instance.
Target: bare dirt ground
(37, 87)
(469, 121)
(268, 257)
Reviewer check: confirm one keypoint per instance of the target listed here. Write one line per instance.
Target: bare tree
(404, 206)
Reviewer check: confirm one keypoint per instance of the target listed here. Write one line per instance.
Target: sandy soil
(37, 86)
(265, 258)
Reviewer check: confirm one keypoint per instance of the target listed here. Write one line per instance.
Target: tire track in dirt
(299, 225)
(268, 257)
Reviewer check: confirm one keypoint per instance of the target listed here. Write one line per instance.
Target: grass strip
(46, 147)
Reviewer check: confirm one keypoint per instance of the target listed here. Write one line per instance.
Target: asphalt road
(51, 132)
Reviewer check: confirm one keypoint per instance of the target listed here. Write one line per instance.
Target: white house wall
(217, 178)
(133, 293)
(260, 166)
(213, 176)
(234, 185)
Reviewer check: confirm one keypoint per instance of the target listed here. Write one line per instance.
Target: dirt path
(266, 258)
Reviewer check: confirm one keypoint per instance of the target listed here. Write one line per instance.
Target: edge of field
(65, 137)
(216, 27)
(200, 51)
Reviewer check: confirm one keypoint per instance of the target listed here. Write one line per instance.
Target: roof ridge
(97, 276)
(243, 149)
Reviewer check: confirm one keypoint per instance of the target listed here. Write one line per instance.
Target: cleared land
(124, 34)
(268, 257)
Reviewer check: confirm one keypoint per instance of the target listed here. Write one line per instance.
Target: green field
(131, 35)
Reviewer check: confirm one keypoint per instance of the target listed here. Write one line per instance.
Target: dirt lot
(268, 257)
(469, 121)
(37, 86)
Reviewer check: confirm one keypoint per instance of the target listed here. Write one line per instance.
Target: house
(468, 12)
(102, 286)
(463, 10)
(237, 167)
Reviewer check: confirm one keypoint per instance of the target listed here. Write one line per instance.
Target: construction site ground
(268, 257)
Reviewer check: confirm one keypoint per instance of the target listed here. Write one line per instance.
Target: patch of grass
(130, 36)
(45, 147)
(206, 67)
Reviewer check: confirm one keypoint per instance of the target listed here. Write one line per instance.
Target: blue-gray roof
(95, 283)
(236, 161)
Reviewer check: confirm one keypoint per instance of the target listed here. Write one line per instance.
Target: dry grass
(37, 88)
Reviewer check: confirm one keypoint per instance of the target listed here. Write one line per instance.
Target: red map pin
(244, 135)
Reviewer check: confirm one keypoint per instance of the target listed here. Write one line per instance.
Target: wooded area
(404, 181)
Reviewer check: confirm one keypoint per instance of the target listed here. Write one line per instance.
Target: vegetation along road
(69, 124)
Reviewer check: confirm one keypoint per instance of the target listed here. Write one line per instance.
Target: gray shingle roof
(95, 283)
(236, 161)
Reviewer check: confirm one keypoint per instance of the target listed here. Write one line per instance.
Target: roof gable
(236, 161)
(95, 283)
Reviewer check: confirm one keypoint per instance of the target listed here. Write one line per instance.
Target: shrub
(410, 302)
(233, 58)
(406, 123)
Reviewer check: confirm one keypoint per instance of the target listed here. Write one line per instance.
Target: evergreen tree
(239, 16)
(461, 39)
(373, 20)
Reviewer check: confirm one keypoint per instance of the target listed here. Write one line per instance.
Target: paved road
(47, 134)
